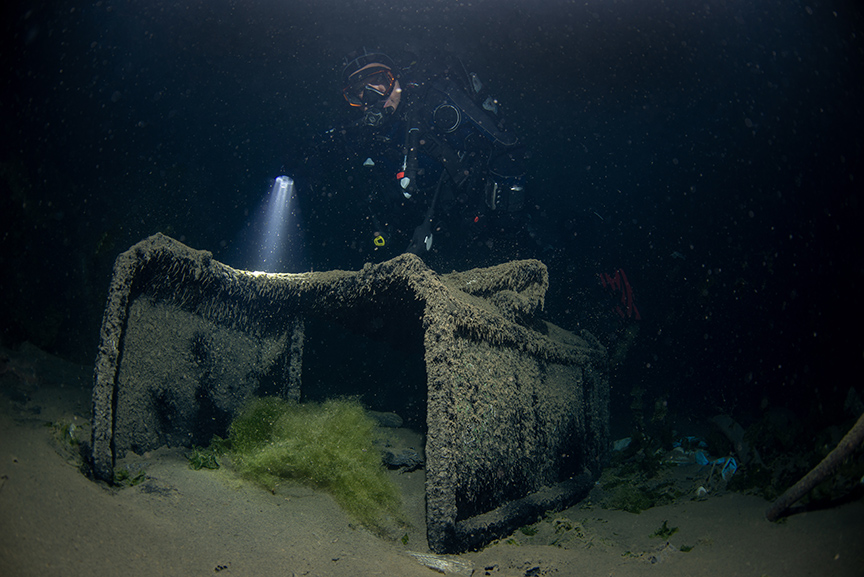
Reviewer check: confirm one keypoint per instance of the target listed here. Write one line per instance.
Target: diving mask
(370, 85)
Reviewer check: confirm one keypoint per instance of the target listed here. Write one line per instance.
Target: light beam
(277, 229)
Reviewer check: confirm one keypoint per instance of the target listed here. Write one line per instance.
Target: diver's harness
(447, 108)
(451, 107)
(434, 146)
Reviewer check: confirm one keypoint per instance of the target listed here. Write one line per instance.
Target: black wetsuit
(440, 160)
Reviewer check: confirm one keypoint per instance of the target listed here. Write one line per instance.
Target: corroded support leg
(294, 367)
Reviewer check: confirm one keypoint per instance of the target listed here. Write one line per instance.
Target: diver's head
(369, 82)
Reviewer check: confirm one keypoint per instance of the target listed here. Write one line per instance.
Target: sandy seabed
(178, 521)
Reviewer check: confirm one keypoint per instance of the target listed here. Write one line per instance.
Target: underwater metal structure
(516, 407)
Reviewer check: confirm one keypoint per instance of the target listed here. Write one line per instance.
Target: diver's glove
(421, 242)
(505, 185)
(505, 194)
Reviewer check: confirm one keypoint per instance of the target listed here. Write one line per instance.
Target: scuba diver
(449, 166)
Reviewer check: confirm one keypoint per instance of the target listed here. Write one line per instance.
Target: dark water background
(726, 132)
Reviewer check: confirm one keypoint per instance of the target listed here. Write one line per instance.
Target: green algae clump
(327, 446)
